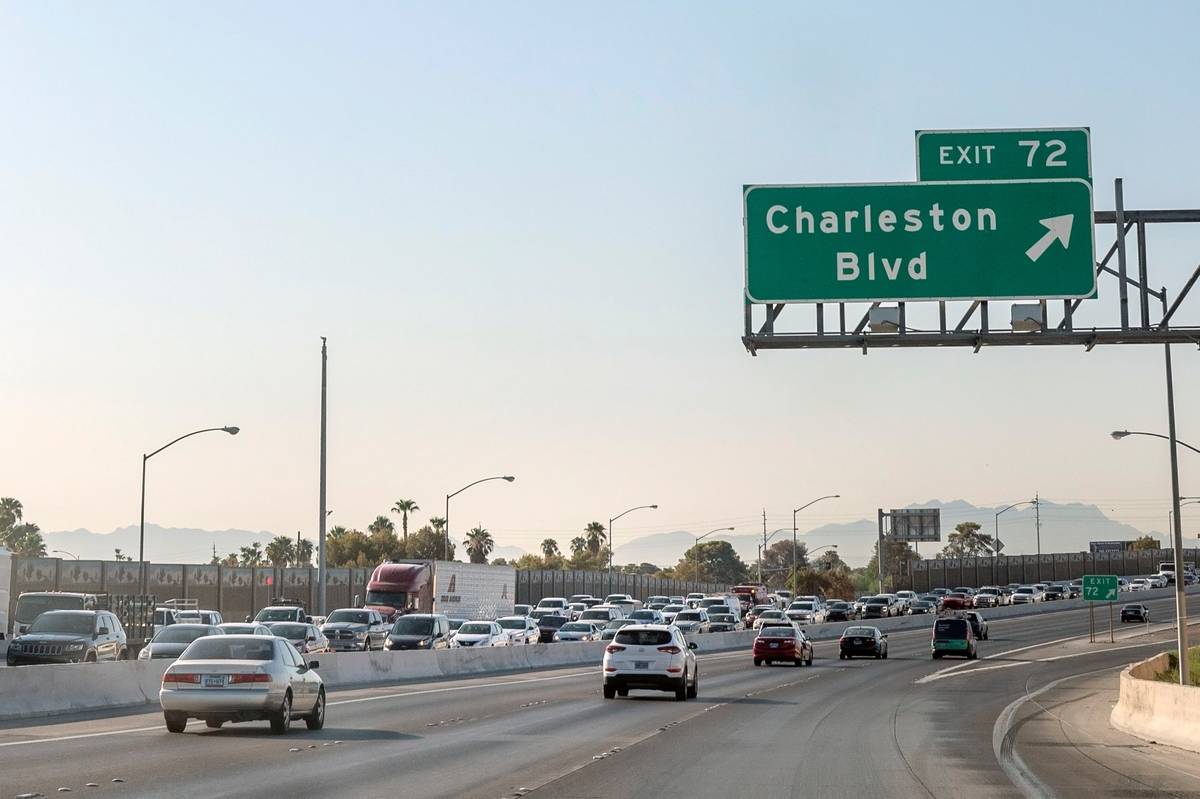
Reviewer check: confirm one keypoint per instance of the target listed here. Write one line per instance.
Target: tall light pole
(322, 512)
(794, 545)
(233, 431)
(1181, 632)
(1182, 501)
(610, 528)
(446, 542)
(996, 545)
(696, 548)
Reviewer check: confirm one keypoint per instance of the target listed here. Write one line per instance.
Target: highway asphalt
(1029, 718)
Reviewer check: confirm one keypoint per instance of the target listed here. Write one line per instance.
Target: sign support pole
(879, 560)
(1111, 638)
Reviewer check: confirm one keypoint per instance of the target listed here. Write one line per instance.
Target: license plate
(774, 645)
(858, 641)
(214, 681)
(641, 664)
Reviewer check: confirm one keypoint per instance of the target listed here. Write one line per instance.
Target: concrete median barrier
(1162, 712)
(31, 691)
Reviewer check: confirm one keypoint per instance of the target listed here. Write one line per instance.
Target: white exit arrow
(1057, 228)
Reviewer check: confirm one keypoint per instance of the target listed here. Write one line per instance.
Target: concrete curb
(1160, 712)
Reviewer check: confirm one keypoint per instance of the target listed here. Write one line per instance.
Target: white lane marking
(937, 675)
(934, 677)
(1018, 773)
(581, 673)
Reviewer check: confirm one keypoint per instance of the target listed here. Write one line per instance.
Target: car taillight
(179, 676)
(245, 678)
(612, 649)
(670, 650)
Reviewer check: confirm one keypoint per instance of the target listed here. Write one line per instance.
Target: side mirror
(248, 620)
(308, 620)
(358, 603)
(693, 645)
(314, 664)
(885, 636)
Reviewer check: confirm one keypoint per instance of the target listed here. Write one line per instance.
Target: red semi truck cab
(750, 595)
(398, 588)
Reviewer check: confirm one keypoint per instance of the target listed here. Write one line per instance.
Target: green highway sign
(1052, 153)
(1100, 587)
(886, 242)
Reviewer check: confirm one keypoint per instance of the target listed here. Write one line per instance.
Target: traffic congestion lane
(492, 737)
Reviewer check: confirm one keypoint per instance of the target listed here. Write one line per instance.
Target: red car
(783, 643)
(957, 601)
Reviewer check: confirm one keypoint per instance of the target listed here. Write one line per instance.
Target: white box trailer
(473, 590)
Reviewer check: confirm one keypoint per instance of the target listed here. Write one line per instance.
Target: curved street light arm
(1119, 434)
(233, 431)
(509, 478)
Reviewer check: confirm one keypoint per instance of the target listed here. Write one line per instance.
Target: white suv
(651, 656)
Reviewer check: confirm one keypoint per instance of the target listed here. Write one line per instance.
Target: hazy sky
(520, 227)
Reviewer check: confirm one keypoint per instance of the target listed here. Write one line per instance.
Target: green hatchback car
(953, 637)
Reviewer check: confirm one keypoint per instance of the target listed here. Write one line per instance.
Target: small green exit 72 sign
(1100, 587)
(1041, 153)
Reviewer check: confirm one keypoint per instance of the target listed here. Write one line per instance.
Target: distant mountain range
(1065, 528)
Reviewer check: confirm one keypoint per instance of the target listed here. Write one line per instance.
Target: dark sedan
(919, 606)
(548, 625)
(170, 641)
(862, 641)
(1135, 612)
(840, 611)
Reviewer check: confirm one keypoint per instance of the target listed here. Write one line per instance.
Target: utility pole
(1181, 615)
(1037, 515)
(762, 553)
(879, 558)
(321, 514)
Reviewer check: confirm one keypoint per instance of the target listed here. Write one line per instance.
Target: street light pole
(233, 431)
(1182, 501)
(446, 540)
(64, 552)
(1181, 633)
(322, 513)
(996, 546)
(610, 528)
(794, 545)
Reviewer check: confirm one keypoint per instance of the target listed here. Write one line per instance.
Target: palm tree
(594, 533)
(382, 524)
(438, 524)
(578, 545)
(251, 555)
(479, 544)
(10, 512)
(24, 540)
(405, 507)
(550, 548)
(304, 552)
(281, 550)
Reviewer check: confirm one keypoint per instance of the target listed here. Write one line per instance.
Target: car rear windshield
(595, 614)
(777, 632)
(724, 618)
(276, 614)
(801, 606)
(513, 624)
(672, 608)
(225, 648)
(868, 632)
(178, 634)
(877, 600)
(552, 621)
(475, 628)
(1024, 590)
(688, 615)
(643, 637)
(413, 625)
(238, 629)
(643, 614)
(349, 616)
(67, 623)
(289, 631)
(951, 628)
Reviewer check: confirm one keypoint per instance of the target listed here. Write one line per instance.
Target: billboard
(917, 525)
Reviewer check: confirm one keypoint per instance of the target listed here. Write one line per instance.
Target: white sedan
(521, 630)
(480, 633)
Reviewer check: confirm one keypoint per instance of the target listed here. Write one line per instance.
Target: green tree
(499, 562)
(24, 540)
(777, 563)
(1145, 542)
(712, 561)
(479, 544)
(304, 552)
(897, 563)
(578, 546)
(529, 562)
(550, 548)
(405, 507)
(251, 555)
(967, 542)
(230, 560)
(121, 557)
(10, 512)
(281, 550)
(438, 524)
(595, 536)
(427, 544)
